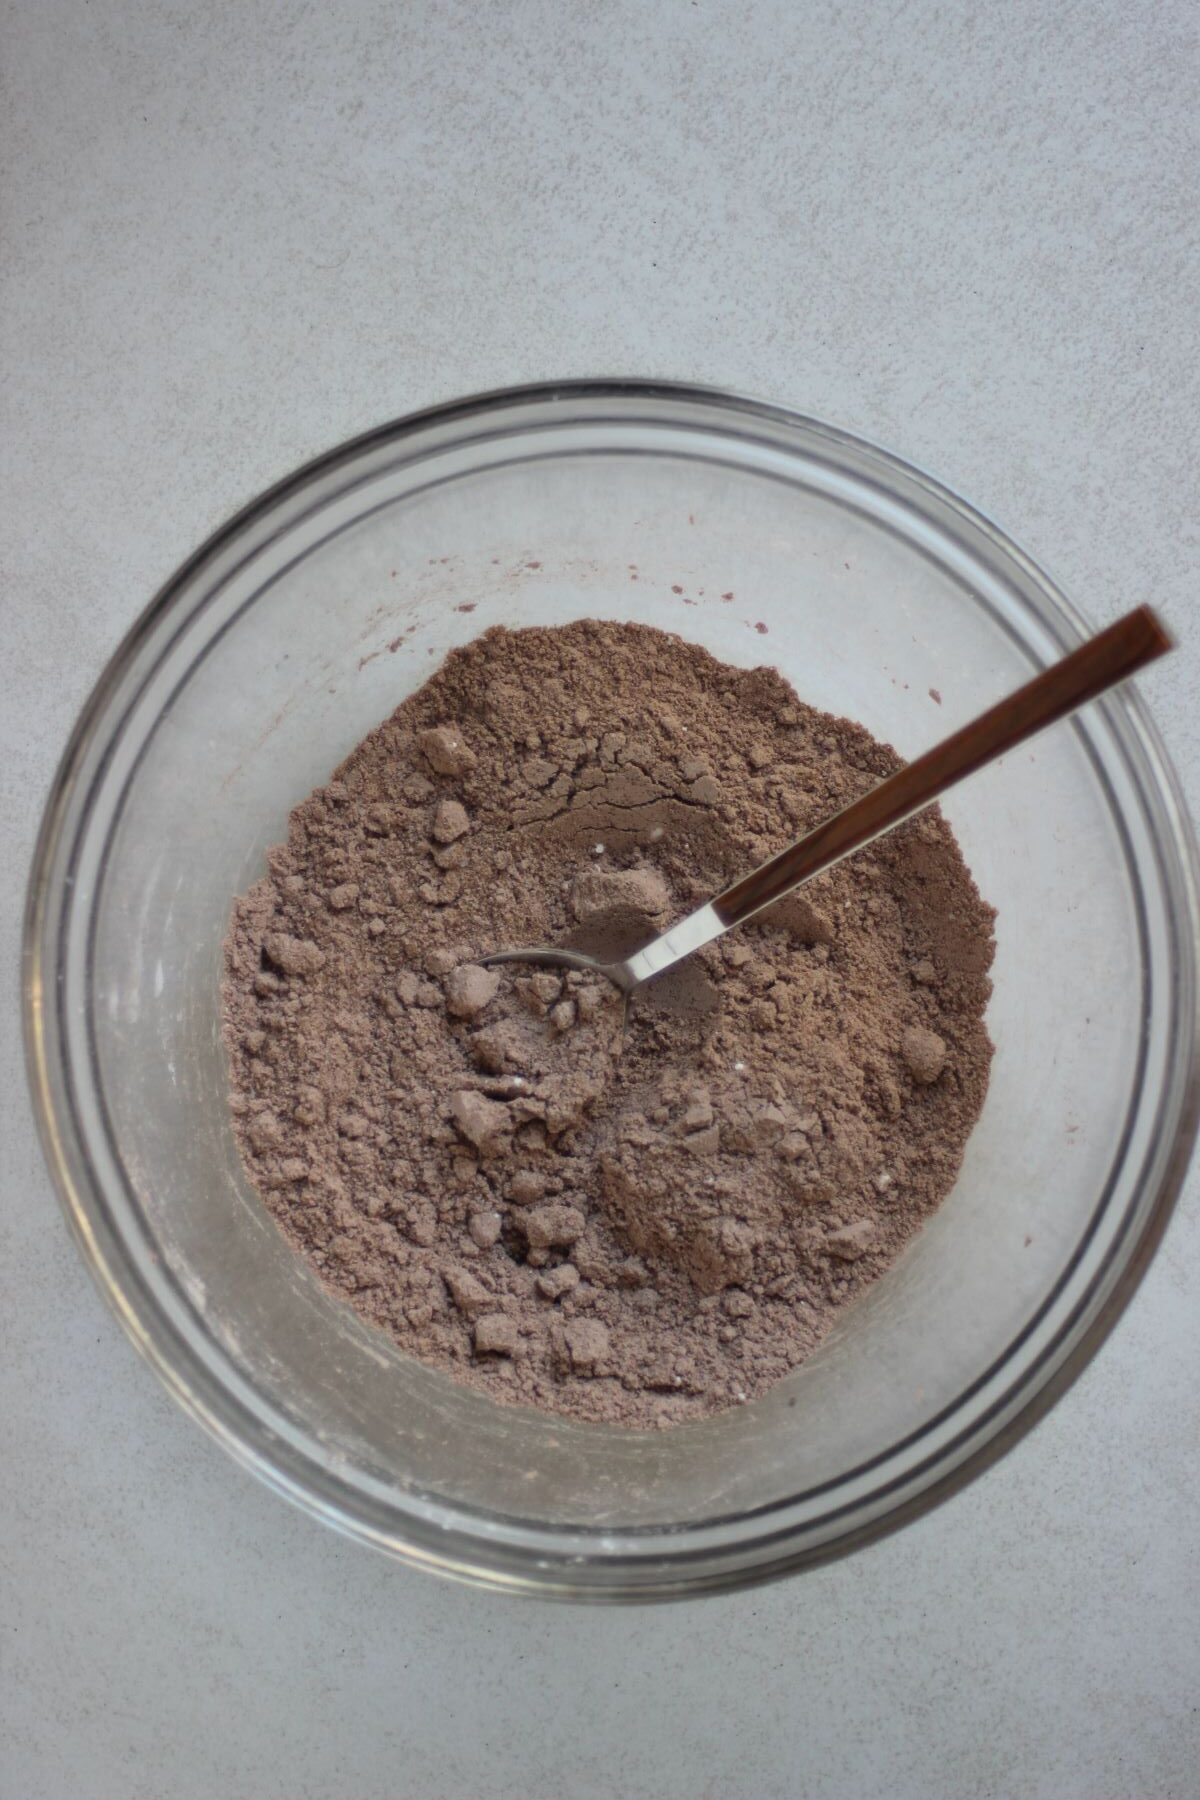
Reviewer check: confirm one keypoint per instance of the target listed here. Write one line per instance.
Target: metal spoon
(1109, 657)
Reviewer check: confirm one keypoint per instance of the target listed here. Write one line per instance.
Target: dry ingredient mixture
(637, 1224)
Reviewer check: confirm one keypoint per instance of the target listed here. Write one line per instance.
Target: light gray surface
(238, 233)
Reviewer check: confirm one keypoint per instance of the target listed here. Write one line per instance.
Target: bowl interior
(298, 633)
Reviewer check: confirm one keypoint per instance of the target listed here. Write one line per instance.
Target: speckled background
(236, 233)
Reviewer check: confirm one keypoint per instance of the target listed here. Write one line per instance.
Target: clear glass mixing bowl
(765, 537)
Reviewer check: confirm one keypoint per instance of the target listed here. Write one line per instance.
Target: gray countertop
(237, 233)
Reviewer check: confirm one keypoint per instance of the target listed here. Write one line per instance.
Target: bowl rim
(667, 1576)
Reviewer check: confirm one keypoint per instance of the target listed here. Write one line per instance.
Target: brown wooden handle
(1105, 659)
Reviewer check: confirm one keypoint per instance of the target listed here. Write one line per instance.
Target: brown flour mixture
(637, 1227)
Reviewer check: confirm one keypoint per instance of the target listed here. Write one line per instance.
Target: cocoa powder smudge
(637, 1227)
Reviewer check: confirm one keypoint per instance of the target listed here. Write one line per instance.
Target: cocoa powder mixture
(638, 1223)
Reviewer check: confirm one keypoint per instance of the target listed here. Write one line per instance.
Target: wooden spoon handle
(1109, 657)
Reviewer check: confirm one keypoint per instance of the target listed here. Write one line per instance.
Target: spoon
(1109, 657)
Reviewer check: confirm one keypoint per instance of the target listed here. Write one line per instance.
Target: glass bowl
(766, 537)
